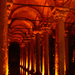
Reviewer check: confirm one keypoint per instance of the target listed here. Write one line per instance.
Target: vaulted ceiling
(27, 17)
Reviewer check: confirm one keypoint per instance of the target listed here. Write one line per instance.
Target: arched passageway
(14, 58)
(43, 30)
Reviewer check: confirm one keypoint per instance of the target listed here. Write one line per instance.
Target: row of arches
(30, 20)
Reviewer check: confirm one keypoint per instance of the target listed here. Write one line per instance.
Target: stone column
(32, 55)
(56, 53)
(67, 51)
(28, 56)
(60, 15)
(46, 52)
(3, 38)
(61, 45)
(21, 59)
(24, 60)
(38, 54)
(26, 45)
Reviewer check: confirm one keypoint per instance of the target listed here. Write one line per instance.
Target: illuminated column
(25, 55)
(32, 55)
(24, 60)
(26, 47)
(38, 54)
(28, 56)
(21, 59)
(60, 56)
(67, 51)
(34, 59)
(61, 45)
(46, 52)
(3, 38)
(56, 53)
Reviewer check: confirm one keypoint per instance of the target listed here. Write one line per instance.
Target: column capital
(22, 45)
(9, 6)
(9, 21)
(66, 33)
(60, 12)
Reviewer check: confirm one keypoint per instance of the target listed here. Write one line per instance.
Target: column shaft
(24, 60)
(3, 38)
(61, 44)
(21, 60)
(46, 52)
(67, 54)
(28, 57)
(32, 55)
(56, 53)
(38, 53)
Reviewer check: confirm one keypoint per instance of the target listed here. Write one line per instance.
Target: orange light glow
(64, 68)
(7, 69)
(26, 63)
(48, 69)
(20, 70)
(64, 63)
(30, 65)
(56, 64)
(26, 73)
(26, 58)
(73, 59)
(22, 63)
(43, 66)
(6, 61)
(56, 55)
(35, 65)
